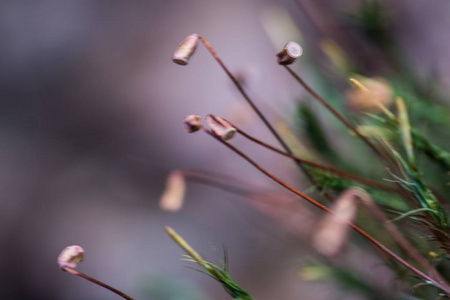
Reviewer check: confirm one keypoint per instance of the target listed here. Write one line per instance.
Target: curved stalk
(93, 280)
(255, 108)
(398, 236)
(445, 287)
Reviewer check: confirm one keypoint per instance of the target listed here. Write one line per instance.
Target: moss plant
(400, 198)
(414, 200)
(218, 273)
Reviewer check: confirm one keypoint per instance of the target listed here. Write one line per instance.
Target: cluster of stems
(430, 274)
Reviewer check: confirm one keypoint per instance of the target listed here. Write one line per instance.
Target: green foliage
(218, 273)
(313, 131)
(223, 277)
(433, 151)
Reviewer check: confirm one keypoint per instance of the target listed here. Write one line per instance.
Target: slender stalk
(365, 181)
(326, 209)
(230, 184)
(399, 237)
(255, 108)
(93, 280)
(206, 178)
(337, 114)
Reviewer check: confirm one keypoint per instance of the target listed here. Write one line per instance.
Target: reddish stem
(336, 113)
(258, 112)
(399, 237)
(104, 285)
(324, 208)
(338, 172)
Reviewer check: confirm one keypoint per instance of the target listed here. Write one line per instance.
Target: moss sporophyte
(410, 188)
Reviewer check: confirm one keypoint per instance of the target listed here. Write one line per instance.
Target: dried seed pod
(185, 50)
(70, 256)
(192, 123)
(333, 230)
(172, 198)
(290, 53)
(221, 127)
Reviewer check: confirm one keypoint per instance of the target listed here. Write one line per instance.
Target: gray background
(91, 112)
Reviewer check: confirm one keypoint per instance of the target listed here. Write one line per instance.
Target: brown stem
(399, 237)
(253, 106)
(104, 285)
(211, 179)
(336, 114)
(365, 181)
(323, 207)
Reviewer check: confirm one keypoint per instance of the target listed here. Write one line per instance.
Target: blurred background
(91, 111)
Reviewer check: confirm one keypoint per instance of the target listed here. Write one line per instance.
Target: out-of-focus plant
(390, 187)
(398, 190)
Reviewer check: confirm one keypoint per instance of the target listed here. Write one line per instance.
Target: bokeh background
(91, 111)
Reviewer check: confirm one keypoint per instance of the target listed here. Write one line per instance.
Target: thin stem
(365, 181)
(324, 208)
(231, 185)
(206, 178)
(93, 280)
(253, 106)
(336, 113)
(218, 273)
(399, 237)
